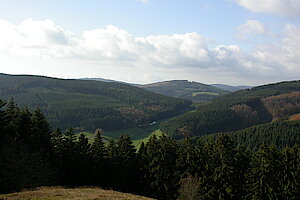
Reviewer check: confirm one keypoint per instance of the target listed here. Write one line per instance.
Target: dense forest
(32, 155)
(238, 110)
(89, 104)
(280, 134)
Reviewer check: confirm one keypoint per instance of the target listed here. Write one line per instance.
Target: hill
(100, 79)
(59, 193)
(280, 134)
(185, 89)
(238, 110)
(88, 104)
(230, 88)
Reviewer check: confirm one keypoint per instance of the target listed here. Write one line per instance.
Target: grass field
(60, 193)
(137, 134)
(137, 143)
(208, 93)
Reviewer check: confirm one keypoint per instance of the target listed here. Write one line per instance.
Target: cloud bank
(286, 8)
(185, 56)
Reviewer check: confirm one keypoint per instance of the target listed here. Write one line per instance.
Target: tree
(161, 173)
(99, 152)
(264, 175)
(291, 173)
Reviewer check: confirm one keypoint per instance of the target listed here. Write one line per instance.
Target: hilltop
(231, 88)
(184, 89)
(59, 193)
(88, 104)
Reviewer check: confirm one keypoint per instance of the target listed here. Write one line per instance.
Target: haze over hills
(231, 88)
(238, 110)
(88, 104)
(185, 89)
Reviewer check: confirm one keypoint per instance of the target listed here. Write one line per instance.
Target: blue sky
(211, 41)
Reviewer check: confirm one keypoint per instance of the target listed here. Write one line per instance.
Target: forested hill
(280, 134)
(238, 110)
(88, 104)
(185, 89)
(230, 87)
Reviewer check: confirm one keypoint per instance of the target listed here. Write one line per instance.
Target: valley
(75, 133)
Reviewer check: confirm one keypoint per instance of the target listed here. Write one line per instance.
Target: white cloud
(278, 7)
(112, 52)
(251, 28)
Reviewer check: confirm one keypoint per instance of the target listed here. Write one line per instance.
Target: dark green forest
(280, 134)
(238, 110)
(31, 155)
(89, 104)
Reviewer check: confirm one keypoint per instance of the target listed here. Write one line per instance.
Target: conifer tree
(161, 171)
(291, 173)
(100, 162)
(99, 151)
(264, 175)
(129, 169)
(188, 159)
(224, 170)
(242, 161)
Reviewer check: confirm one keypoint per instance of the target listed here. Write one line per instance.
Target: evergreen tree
(291, 173)
(129, 169)
(161, 172)
(224, 171)
(100, 163)
(189, 160)
(264, 175)
(99, 151)
(242, 161)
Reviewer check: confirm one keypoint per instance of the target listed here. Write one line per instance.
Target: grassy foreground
(60, 193)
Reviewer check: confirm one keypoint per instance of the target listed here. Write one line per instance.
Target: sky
(236, 42)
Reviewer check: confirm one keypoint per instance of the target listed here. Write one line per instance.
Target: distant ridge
(185, 89)
(86, 104)
(100, 79)
(231, 88)
(163, 86)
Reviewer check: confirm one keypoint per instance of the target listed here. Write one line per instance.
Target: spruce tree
(99, 151)
(100, 162)
(291, 173)
(161, 171)
(263, 179)
(224, 171)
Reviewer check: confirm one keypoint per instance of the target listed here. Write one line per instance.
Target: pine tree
(129, 169)
(264, 175)
(40, 135)
(100, 162)
(188, 160)
(242, 161)
(99, 152)
(161, 171)
(224, 171)
(291, 173)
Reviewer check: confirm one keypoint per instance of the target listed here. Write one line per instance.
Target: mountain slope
(280, 134)
(185, 89)
(88, 104)
(230, 88)
(238, 110)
